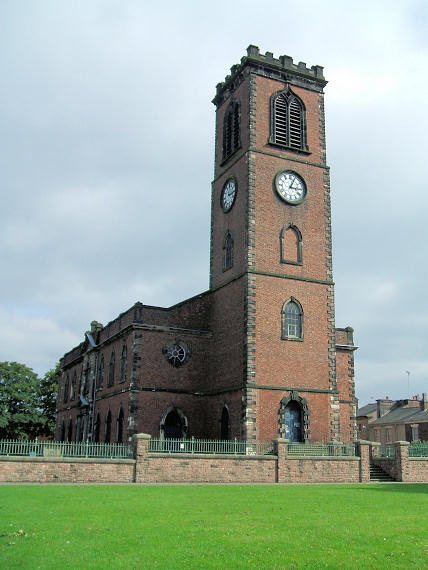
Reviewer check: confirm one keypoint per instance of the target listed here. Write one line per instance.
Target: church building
(258, 355)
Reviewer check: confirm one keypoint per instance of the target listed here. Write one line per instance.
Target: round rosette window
(176, 352)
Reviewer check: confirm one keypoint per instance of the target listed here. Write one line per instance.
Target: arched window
(292, 320)
(73, 388)
(100, 377)
(123, 362)
(290, 242)
(288, 120)
(225, 424)
(70, 430)
(108, 428)
(228, 252)
(231, 130)
(111, 369)
(120, 419)
(97, 428)
(66, 389)
(62, 436)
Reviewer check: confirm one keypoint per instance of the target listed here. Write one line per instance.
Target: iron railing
(384, 451)
(418, 449)
(65, 449)
(207, 446)
(321, 449)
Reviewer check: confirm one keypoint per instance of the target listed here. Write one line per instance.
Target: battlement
(282, 68)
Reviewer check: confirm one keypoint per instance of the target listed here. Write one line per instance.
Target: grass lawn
(311, 526)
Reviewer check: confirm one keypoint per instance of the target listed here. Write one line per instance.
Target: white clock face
(290, 187)
(228, 195)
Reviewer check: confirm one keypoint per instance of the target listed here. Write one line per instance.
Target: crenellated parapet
(282, 69)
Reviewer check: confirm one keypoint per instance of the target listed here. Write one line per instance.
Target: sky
(107, 152)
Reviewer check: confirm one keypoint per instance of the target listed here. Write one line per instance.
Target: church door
(173, 426)
(293, 422)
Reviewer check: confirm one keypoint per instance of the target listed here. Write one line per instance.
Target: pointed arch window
(228, 252)
(73, 388)
(108, 428)
(288, 121)
(292, 320)
(120, 422)
(231, 130)
(100, 377)
(97, 428)
(111, 369)
(225, 424)
(66, 389)
(290, 242)
(123, 362)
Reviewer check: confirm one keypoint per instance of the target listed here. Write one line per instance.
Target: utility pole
(408, 384)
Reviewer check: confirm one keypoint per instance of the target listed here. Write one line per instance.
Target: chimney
(424, 402)
(383, 406)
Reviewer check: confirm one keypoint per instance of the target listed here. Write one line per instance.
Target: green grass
(311, 526)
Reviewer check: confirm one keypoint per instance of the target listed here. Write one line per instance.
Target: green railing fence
(207, 446)
(418, 449)
(65, 449)
(321, 449)
(384, 451)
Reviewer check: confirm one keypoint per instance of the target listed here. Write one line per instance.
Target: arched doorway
(294, 418)
(173, 424)
(293, 422)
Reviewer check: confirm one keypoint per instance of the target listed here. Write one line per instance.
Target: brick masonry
(239, 359)
(150, 468)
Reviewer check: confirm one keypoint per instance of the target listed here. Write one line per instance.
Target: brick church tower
(271, 233)
(257, 356)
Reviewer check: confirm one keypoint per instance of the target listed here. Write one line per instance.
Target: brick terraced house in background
(257, 356)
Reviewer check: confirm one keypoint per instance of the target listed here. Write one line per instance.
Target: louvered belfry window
(231, 130)
(288, 121)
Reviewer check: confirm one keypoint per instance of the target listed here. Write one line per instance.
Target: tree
(20, 414)
(48, 389)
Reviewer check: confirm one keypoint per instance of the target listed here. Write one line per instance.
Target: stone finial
(252, 50)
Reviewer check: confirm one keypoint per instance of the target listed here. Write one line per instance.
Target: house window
(292, 320)
(228, 252)
(231, 130)
(288, 121)
(123, 361)
(111, 369)
(290, 241)
(415, 432)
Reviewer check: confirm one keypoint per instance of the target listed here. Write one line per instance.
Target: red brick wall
(53, 470)
(321, 470)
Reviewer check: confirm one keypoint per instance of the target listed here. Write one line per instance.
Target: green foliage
(214, 526)
(19, 400)
(27, 404)
(48, 389)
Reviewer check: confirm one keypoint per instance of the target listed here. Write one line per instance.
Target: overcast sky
(106, 160)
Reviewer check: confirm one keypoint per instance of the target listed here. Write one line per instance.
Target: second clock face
(290, 186)
(228, 194)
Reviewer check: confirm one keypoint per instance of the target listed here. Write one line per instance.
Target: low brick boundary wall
(65, 470)
(418, 469)
(194, 468)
